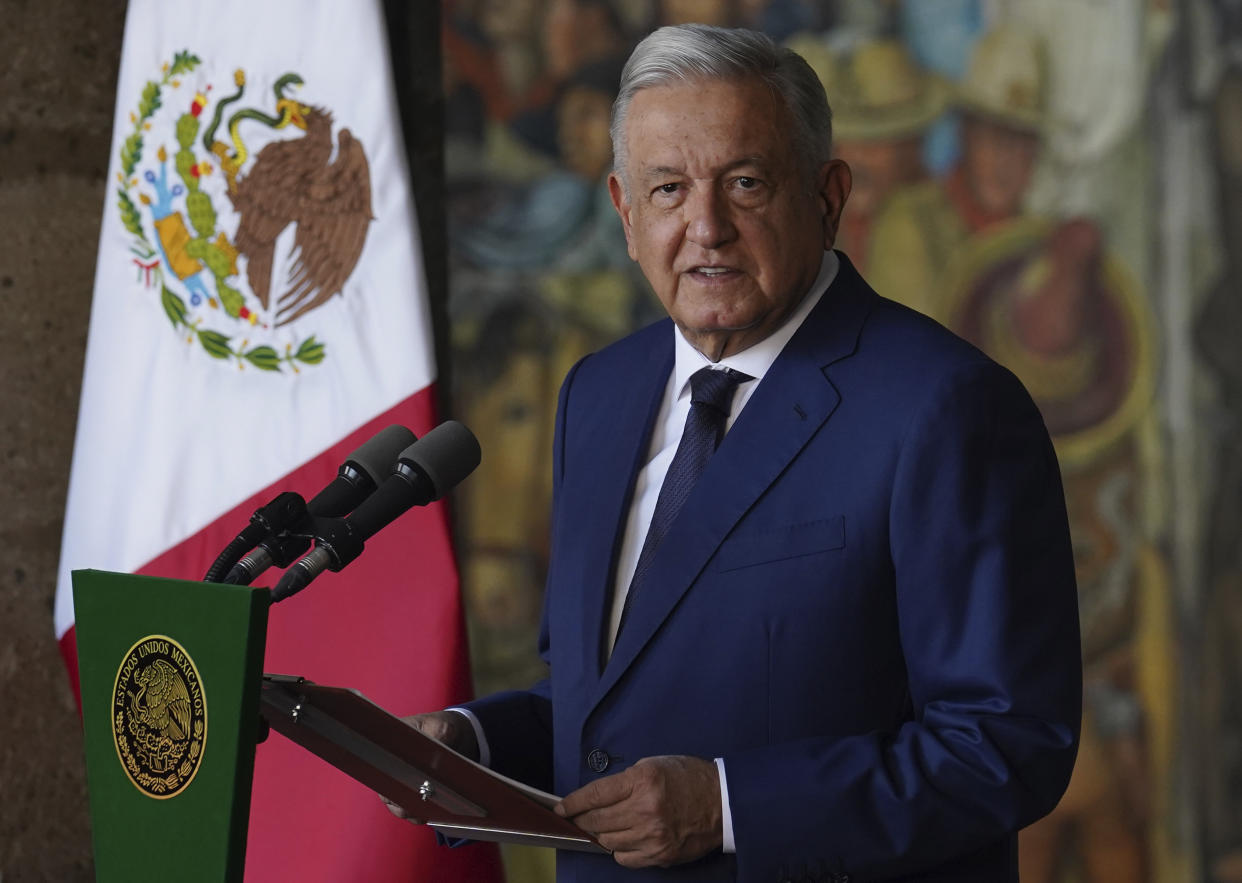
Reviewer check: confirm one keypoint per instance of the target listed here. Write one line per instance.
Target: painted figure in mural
(506, 378)
(509, 62)
(882, 104)
(541, 276)
(1048, 300)
(579, 32)
(562, 238)
(563, 220)
(578, 37)
(776, 18)
(719, 13)
(920, 230)
(822, 610)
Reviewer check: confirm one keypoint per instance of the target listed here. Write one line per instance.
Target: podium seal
(159, 717)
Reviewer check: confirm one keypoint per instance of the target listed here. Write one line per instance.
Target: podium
(170, 675)
(173, 689)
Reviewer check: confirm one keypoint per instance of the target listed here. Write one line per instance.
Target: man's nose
(709, 222)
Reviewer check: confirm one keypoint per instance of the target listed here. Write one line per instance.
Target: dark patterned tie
(711, 395)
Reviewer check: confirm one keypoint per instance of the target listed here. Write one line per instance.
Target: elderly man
(811, 609)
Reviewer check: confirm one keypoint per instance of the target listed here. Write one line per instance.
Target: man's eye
(746, 183)
(667, 188)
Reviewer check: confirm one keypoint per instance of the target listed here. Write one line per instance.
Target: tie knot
(714, 387)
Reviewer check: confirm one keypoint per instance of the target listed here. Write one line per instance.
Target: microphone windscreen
(378, 454)
(446, 455)
(373, 461)
(432, 465)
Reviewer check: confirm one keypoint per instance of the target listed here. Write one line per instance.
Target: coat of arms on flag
(241, 180)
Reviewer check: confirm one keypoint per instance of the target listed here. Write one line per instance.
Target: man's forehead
(661, 168)
(692, 89)
(685, 115)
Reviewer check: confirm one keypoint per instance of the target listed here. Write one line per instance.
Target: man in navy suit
(841, 641)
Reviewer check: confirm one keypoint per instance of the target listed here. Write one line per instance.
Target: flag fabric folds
(259, 311)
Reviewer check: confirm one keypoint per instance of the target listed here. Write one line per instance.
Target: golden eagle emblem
(162, 702)
(159, 716)
(246, 216)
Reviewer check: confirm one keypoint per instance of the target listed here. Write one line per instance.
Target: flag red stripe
(389, 625)
(69, 652)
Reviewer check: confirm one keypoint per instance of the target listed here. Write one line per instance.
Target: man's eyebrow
(674, 171)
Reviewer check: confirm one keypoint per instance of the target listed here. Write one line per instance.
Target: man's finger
(636, 857)
(632, 840)
(609, 819)
(449, 727)
(397, 810)
(392, 807)
(598, 794)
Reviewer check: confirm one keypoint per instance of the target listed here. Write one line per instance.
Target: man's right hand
(449, 727)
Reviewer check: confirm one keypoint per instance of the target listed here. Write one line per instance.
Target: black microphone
(357, 478)
(425, 472)
(281, 512)
(362, 472)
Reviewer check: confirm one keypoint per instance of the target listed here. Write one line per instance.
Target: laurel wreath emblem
(204, 243)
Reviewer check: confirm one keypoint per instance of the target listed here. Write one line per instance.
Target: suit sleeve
(518, 723)
(987, 607)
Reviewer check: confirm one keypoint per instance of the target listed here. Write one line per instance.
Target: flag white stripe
(169, 438)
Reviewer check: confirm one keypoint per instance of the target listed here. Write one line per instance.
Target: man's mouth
(713, 271)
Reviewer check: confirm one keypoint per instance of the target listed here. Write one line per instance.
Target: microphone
(362, 472)
(356, 479)
(281, 512)
(425, 472)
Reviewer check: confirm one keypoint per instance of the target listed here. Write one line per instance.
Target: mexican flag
(260, 311)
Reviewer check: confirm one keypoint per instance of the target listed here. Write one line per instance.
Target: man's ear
(833, 189)
(621, 202)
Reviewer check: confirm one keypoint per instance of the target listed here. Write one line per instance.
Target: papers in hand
(429, 780)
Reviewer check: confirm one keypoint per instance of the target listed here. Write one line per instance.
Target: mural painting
(1023, 174)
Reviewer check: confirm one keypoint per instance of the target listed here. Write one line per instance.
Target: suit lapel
(792, 402)
(617, 448)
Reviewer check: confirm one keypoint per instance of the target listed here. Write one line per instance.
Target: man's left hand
(661, 811)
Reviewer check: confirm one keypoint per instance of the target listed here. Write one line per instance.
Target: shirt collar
(757, 359)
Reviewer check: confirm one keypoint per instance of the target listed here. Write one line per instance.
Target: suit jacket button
(598, 760)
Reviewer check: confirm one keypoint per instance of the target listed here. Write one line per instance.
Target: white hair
(684, 53)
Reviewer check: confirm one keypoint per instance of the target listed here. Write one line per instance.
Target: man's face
(727, 226)
(582, 132)
(998, 162)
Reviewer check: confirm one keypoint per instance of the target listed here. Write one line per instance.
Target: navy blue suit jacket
(866, 606)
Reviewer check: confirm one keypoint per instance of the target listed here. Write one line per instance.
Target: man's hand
(449, 727)
(661, 811)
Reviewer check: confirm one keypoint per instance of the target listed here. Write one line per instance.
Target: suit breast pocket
(770, 544)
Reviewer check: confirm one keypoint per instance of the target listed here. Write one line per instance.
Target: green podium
(170, 676)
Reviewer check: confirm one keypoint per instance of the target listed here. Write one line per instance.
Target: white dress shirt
(671, 421)
(665, 436)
